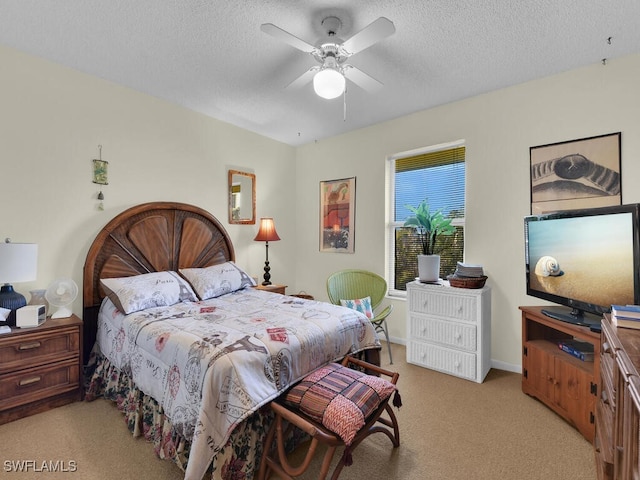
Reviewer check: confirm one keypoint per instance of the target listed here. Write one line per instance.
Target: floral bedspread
(211, 364)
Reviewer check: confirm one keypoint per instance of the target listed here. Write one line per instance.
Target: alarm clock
(30, 316)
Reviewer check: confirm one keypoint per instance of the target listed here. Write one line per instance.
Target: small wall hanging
(100, 175)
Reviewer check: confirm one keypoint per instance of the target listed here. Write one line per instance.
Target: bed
(193, 375)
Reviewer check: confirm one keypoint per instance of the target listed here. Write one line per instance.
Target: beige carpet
(450, 429)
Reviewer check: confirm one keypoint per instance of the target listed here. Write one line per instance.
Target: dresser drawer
(38, 347)
(39, 382)
(455, 362)
(604, 436)
(450, 333)
(607, 384)
(457, 307)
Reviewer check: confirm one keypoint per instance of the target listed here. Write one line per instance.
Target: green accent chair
(353, 284)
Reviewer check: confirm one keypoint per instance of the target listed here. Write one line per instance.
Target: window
(436, 174)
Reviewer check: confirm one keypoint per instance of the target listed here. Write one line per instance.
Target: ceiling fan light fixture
(328, 83)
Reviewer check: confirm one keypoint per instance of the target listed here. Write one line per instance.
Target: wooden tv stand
(565, 384)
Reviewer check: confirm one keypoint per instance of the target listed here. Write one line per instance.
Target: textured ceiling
(211, 56)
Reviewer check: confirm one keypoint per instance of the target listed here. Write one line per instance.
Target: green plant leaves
(429, 225)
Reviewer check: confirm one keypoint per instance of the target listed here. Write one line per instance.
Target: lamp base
(11, 300)
(267, 275)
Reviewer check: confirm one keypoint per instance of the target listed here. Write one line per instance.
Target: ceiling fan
(332, 53)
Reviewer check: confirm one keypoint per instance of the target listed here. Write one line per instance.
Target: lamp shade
(328, 83)
(267, 231)
(18, 262)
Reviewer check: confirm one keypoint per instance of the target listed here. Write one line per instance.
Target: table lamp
(267, 233)
(18, 263)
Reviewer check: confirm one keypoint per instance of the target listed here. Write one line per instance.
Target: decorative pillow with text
(210, 282)
(139, 292)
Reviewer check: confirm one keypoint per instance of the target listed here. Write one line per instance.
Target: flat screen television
(584, 260)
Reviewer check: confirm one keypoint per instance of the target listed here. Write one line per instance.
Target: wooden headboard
(152, 237)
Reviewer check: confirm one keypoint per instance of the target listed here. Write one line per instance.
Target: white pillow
(157, 289)
(217, 280)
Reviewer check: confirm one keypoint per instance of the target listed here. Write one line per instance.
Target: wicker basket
(467, 282)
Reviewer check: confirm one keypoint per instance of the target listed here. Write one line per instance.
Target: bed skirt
(239, 459)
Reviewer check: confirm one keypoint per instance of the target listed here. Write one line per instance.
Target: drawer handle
(29, 346)
(29, 381)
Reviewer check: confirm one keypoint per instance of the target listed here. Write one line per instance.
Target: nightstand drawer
(38, 383)
(450, 333)
(38, 347)
(457, 307)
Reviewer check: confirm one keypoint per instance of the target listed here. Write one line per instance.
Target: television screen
(584, 259)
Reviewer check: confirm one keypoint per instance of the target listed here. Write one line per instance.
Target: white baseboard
(509, 367)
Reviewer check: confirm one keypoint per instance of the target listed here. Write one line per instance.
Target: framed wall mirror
(242, 197)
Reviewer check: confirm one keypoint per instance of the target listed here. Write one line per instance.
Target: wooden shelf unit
(565, 384)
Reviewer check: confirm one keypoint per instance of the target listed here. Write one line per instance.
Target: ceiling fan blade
(364, 81)
(303, 79)
(286, 37)
(372, 33)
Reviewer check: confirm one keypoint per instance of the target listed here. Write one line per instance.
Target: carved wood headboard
(152, 237)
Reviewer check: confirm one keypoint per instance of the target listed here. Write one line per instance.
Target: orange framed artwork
(337, 215)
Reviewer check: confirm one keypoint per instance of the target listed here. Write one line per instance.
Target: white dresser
(449, 329)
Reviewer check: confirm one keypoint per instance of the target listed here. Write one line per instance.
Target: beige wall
(498, 129)
(53, 119)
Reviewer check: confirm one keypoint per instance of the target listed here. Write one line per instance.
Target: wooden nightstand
(40, 368)
(275, 288)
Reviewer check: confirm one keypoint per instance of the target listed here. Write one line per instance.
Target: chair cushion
(363, 305)
(339, 398)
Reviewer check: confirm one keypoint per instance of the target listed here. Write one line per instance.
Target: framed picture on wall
(576, 174)
(337, 215)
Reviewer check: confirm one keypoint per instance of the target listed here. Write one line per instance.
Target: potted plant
(429, 226)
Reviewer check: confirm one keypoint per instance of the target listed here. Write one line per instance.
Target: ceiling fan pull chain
(344, 105)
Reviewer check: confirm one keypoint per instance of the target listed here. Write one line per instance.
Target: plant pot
(429, 268)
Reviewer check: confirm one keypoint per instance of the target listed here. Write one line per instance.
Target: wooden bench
(289, 414)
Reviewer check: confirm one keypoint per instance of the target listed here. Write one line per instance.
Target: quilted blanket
(213, 363)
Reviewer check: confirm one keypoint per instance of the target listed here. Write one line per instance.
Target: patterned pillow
(217, 280)
(157, 289)
(340, 398)
(363, 305)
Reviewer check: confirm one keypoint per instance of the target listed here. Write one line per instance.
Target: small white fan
(60, 294)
